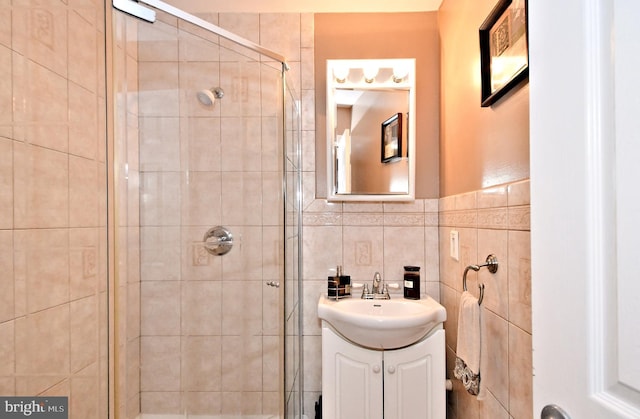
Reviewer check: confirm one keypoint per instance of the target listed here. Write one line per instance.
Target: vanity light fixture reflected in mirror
(369, 158)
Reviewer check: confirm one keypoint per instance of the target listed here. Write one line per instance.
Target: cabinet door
(414, 380)
(351, 379)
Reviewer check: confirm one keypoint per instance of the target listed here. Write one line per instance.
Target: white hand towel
(469, 352)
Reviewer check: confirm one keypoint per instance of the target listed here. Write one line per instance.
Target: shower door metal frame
(299, 253)
(137, 9)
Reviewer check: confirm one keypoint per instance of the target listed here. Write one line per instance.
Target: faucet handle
(365, 291)
(385, 292)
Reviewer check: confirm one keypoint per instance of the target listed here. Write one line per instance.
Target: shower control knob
(275, 284)
(218, 240)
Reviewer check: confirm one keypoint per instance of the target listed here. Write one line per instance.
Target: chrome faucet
(377, 280)
(379, 290)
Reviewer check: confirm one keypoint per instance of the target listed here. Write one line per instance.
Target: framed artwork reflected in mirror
(391, 142)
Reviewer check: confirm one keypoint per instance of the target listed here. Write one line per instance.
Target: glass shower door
(200, 129)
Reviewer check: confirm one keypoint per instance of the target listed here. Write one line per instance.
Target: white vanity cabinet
(361, 383)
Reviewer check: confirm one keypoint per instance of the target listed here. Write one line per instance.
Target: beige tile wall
(53, 249)
(491, 221)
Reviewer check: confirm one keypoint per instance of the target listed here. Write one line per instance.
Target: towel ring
(492, 265)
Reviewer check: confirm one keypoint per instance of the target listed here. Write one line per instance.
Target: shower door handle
(275, 284)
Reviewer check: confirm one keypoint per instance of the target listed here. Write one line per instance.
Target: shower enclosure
(206, 141)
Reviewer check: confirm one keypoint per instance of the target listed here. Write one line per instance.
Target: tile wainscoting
(493, 220)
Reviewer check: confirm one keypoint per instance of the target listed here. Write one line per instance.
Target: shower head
(208, 96)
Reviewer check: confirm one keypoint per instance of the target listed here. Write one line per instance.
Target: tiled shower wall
(210, 328)
(53, 242)
(491, 221)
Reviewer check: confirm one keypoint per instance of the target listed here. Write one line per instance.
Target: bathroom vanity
(405, 383)
(373, 377)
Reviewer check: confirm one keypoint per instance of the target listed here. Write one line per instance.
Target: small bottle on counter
(412, 282)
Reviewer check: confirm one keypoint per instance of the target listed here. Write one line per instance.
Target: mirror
(371, 130)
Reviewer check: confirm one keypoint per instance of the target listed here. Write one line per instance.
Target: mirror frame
(380, 82)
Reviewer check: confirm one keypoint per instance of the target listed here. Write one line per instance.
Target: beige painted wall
(479, 147)
(385, 35)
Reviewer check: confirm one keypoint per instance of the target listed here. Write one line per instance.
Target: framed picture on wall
(504, 49)
(391, 139)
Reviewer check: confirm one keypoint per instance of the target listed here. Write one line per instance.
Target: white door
(585, 206)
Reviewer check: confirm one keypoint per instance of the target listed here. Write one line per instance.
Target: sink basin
(382, 324)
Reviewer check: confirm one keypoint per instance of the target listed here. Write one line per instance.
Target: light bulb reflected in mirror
(341, 73)
(370, 73)
(400, 71)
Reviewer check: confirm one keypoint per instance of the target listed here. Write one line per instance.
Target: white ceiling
(305, 6)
